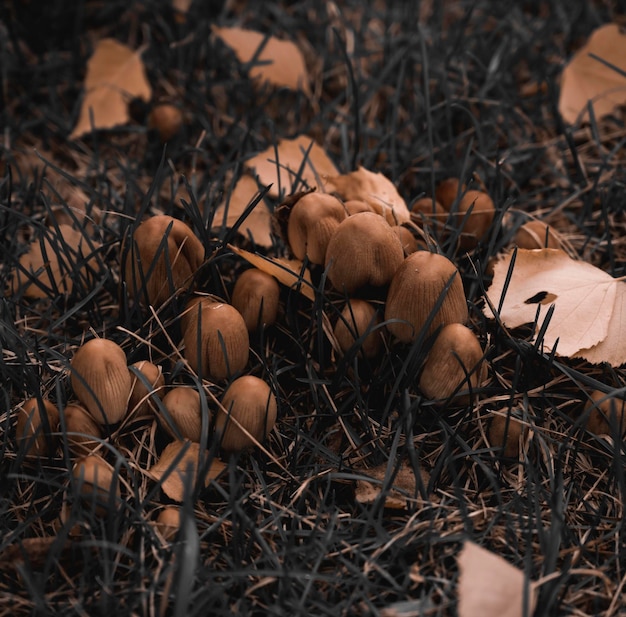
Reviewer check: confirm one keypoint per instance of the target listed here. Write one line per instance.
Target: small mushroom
(454, 364)
(426, 211)
(166, 119)
(414, 292)
(312, 221)
(101, 380)
(537, 235)
(216, 339)
(97, 484)
(248, 414)
(175, 476)
(141, 398)
(168, 522)
(358, 317)
(505, 433)
(37, 419)
(606, 414)
(474, 216)
(256, 296)
(185, 410)
(163, 257)
(82, 431)
(409, 242)
(448, 191)
(364, 250)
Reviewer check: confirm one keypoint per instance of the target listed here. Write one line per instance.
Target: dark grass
(468, 91)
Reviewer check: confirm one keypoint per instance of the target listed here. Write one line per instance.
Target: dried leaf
(489, 586)
(289, 272)
(583, 297)
(400, 494)
(115, 75)
(278, 62)
(586, 78)
(281, 165)
(258, 223)
(374, 189)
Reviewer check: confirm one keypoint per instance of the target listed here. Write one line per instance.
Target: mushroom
(248, 414)
(357, 318)
(168, 522)
(141, 397)
(448, 191)
(353, 206)
(364, 250)
(166, 119)
(505, 433)
(415, 291)
(474, 215)
(409, 242)
(174, 477)
(37, 420)
(256, 296)
(605, 414)
(454, 365)
(537, 235)
(82, 431)
(101, 380)
(312, 221)
(185, 410)
(426, 211)
(163, 257)
(97, 484)
(216, 339)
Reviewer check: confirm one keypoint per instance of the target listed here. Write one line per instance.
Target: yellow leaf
(489, 586)
(583, 297)
(585, 78)
(115, 75)
(257, 224)
(281, 165)
(278, 62)
(286, 271)
(374, 189)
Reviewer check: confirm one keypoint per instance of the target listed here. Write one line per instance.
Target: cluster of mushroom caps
(111, 394)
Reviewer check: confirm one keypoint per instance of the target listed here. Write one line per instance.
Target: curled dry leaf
(300, 157)
(115, 75)
(589, 318)
(374, 189)
(257, 224)
(272, 60)
(587, 79)
(489, 586)
(289, 272)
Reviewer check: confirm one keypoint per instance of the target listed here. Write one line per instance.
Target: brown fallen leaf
(374, 189)
(489, 586)
(585, 78)
(257, 224)
(280, 165)
(115, 75)
(288, 272)
(276, 61)
(589, 318)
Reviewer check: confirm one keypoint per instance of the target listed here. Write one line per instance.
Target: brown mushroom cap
(83, 432)
(249, 405)
(168, 522)
(166, 119)
(455, 354)
(448, 191)
(354, 206)
(256, 296)
(414, 292)
(475, 215)
(364, 250)
(312, 221)
(505, 433)
(164, 255)
(185, 410)
(33, 430)
(223, 337)
(357, 317)
(537, 235)
(97, 484)
(101, 380)
(141, 398)
(605, 414)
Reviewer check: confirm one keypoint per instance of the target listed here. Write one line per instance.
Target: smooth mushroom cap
(185, 410)
(409, 242)
(101, 380)
(505, 433)
(454, 364)
(164, 255)
(217, 344)
(605, 414)
(312, 221)
(249, 404)
(97, 483)
(141, 398)
(475, 214)
(33, 430)
(537, 235)
(364, 250)
(256, 296)
(166, 119)
(357, 318)
(447, 192)
(415, 291)
(82, 431)
(168, 522)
